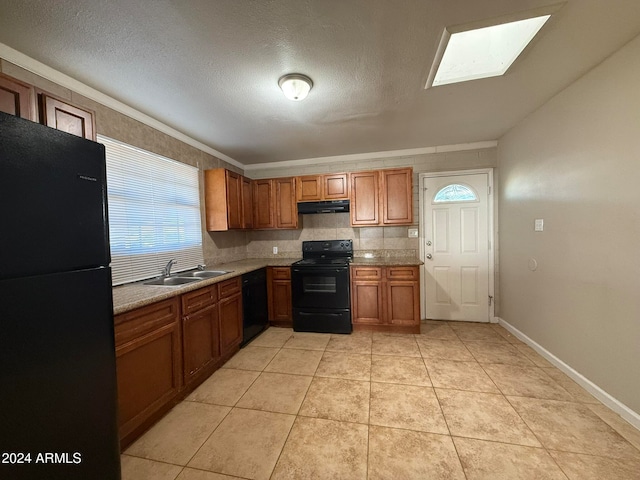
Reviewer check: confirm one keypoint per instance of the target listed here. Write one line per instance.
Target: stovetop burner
(323, 261)
(326, 252)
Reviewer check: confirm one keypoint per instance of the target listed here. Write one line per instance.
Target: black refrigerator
(58, 399)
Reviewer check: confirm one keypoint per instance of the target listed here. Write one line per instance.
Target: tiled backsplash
(378, 241)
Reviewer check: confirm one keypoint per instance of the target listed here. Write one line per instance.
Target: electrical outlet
(413, 232)
(275, 250)
(538, 225)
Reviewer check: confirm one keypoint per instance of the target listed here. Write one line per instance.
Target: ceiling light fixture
(295, 86)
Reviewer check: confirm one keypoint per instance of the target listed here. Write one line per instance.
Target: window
(455, 193)
(154, 212)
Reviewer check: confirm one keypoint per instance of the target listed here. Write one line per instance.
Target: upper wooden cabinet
(396, 197)
(309, 188)
(61, 115)
(226, 200)
(382, 197)
(285, 203)
(313, 188)
(247, 203)
(274, 203)
(263, 210)
(335, 186)
(17, 98)
(365, 198)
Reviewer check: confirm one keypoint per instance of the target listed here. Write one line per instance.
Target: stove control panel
(338, 247)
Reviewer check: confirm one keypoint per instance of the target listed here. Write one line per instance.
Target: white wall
(575, 163)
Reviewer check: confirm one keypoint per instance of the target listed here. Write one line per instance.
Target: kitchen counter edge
(135, 295)
(386, 262)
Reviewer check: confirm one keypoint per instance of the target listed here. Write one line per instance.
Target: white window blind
(154, 212)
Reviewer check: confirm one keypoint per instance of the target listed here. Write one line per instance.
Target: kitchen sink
(183, 278)
(204, 273)
(172, 281)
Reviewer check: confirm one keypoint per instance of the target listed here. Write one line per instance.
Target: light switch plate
(413, 233)
(539, 225)
(275, 250)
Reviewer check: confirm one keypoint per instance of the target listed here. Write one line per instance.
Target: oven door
(320, 286)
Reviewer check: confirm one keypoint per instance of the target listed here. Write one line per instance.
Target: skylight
(482, 52)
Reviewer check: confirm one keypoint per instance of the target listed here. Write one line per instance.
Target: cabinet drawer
(142, 321)
(199, 299)
(404, 273)
(366, 273)
(229, 287)
(281, 273)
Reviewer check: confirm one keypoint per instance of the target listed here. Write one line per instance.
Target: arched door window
(455, 192)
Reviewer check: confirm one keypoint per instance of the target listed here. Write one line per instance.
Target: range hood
(330, 206)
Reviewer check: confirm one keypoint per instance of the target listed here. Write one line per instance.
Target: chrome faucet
(166, 271)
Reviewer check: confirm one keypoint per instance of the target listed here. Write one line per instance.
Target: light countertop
(135, 295)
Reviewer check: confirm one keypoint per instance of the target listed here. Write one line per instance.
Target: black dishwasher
(254, 304)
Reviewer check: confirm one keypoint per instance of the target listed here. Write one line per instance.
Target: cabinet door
(366, 302)
(63, 116)
(17, 98)
(200, 341)
(233, 200)
(309, 188)
(285, 202)
(247, 203)
(230, 323)
(282, 301)
(148, 364)
(364, 198)
(403, 303)
(335, 186)
(279, 293)
(263, 209)
(397, 196)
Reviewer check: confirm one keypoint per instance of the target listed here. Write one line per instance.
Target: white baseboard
(614, 404)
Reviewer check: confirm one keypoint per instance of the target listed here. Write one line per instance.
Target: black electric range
(320, 287)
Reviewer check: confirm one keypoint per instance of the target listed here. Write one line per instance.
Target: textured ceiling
(210, 68)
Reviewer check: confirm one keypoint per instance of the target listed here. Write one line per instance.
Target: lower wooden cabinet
(279, 295)
(367, 295)
(149, 365)
(165, 350)
(385, 298)
(230, 312)
(200, 333)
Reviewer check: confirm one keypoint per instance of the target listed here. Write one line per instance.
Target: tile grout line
(297, 415)
(230, 410)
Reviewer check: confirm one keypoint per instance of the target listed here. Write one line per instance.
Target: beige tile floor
(458, 401)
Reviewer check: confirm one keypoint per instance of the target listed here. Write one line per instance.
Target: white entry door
(456, 231)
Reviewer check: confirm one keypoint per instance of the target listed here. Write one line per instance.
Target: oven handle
(303, 314)
(314, 269)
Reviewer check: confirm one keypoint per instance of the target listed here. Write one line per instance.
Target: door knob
(428, 255)
(428, 243)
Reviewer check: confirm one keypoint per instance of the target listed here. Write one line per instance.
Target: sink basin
(171, 281)
(204, 273)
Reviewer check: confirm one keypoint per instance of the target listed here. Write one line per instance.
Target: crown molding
(373, 155)
(34, 66)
